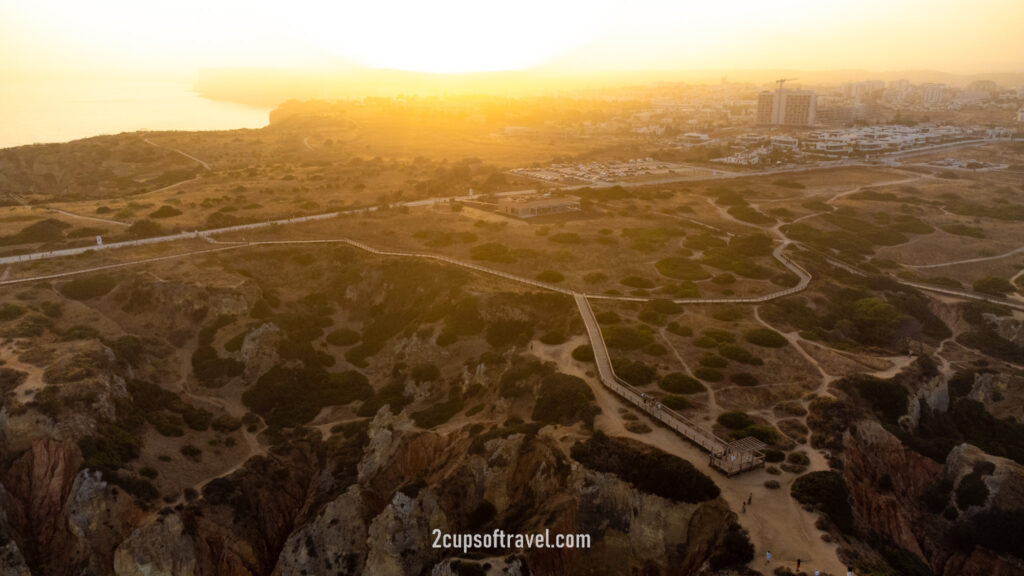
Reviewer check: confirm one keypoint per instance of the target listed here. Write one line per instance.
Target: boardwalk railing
(718, 448)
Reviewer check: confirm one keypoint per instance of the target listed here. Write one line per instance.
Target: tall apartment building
(787, 107)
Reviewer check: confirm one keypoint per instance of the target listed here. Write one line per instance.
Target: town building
(532, 206)
(787, 107)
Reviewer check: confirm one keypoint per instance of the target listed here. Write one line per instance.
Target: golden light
(450, 36)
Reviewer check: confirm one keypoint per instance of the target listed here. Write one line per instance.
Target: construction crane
(782, 81)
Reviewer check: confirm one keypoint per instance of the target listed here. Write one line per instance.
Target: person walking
(798, 561)
(750, 498)
(768, 557)
(849, 571)
(744, 507)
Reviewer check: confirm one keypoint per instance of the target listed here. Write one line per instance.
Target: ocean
(51, 111)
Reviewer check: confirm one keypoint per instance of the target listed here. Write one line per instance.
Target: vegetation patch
(649, 469)
(826, 492)
(679, 383)
(88, 287)
(564, 399)
(766, 338)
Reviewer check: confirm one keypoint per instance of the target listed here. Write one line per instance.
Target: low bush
(735, 420)
(636, 372)
(551, 276)
(766, 338)
(708, 374)
(676, 402)
(88, 287)
(744, 379)
(583, 353)
(649, 469)
(679, 383)
(826, 492)
(564, 399)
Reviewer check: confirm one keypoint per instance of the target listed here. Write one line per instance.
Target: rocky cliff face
(375, 515)
(888, 481)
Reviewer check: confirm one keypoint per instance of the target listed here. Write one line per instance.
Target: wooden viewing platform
(730, 458)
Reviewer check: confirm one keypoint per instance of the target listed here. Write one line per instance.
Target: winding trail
(967, 261)
(93, 218)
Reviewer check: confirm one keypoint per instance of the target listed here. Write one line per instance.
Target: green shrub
(636, 372)
(708, 374)
(88, 287)
(676, 402)
(705, 342)
(583, 353)
(679, 383)
(993, 285)
(744, 379)
(827, 492)
(607, 317)
(774, 455)
(734, 420)
(506, 332)
(564, 399)
(887, 397)
(294, 396)
(628, 337)
(145, 229)
(649, 469)
(10, 311)
(735, 549)
(551, 276)
(766, 338)
(720, 336)
(165, 211)
(191, 452)
(110, 449)
(739, 354)
(679, 330)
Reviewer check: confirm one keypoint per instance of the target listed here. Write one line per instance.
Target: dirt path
(34, 379)
(775, 521)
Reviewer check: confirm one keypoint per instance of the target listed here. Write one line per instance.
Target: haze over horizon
(116, 38)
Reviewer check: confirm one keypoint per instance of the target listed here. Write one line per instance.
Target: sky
(143, 38)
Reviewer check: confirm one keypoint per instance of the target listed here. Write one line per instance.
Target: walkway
(717, 447)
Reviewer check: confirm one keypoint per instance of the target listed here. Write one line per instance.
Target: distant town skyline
(116, 37)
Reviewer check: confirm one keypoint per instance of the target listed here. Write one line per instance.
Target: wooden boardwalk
(730, 458)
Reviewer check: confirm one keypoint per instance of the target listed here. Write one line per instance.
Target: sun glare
(452, 36)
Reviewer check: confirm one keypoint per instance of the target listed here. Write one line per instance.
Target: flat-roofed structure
(739, 456)
(533, 206)
(787, 107)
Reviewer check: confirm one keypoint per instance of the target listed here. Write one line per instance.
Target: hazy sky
(147, 38)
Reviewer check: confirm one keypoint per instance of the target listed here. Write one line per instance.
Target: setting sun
(450, 36)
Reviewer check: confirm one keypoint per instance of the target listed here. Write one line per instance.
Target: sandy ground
(776, 522)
